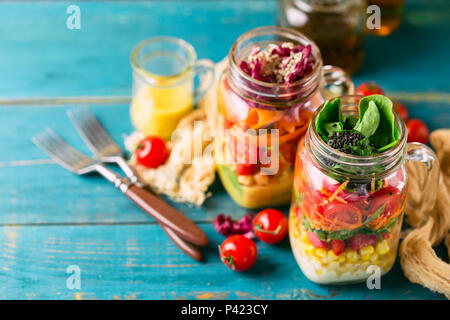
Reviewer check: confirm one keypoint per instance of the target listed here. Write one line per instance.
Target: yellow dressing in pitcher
(157, 110)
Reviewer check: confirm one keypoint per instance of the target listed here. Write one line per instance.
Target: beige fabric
(419, 262)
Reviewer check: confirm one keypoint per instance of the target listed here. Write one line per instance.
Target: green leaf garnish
(330, 113)
(333, 127)
(350, 122)
(369, 120)
(385, 132)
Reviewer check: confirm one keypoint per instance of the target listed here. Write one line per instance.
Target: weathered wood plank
(41, 57)
(137, 262)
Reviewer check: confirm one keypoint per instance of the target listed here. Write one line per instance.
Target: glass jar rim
(285, 32)
(390, 159)
(149, 76)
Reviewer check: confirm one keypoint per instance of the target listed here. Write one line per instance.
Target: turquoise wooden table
(51, 219)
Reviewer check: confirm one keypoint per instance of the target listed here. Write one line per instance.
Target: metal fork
(101, 144)
(98, 141)
(153, 205)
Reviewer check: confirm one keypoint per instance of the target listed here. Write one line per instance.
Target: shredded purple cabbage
(283, 63)
(226, 226)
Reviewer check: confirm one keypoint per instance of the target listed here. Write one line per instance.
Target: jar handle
(418, 152)
(204, 69)
(336, 82)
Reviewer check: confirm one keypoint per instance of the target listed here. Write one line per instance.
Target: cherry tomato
(228, 123)
(389, 197)
(152, 152)
(270, 225)
(362, 240)
(337, 246)
(246, 169)
(417, 131)
(238, 252)
(287, 151)
(243, 152)
(401, 110)
(368, 88)
(342, 216)
(316, 241)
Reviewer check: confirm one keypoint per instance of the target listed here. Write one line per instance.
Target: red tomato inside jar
(347, 208)
(267, 96)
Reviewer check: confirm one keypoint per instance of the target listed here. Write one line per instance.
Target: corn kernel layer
(350, 262)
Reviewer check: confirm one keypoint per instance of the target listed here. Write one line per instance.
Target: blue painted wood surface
(50, 219)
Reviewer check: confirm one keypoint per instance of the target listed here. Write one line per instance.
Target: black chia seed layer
(343, 140)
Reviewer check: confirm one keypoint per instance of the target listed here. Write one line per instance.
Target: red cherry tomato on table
(417, 131)
(270, 225)
(368, 88)
(401, 110)
(152, 152)
(238, 253)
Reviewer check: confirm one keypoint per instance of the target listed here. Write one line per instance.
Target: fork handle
(156, 207)
(189, 249)
(165, 214)
(126, 169)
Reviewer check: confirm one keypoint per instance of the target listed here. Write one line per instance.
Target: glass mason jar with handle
(258, 119)
(163, 84)
(347, 210)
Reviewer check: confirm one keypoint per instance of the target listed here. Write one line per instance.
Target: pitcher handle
(336, 82)
(204, 69)
(418, 152)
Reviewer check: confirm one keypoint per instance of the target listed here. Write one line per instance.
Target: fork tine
(60, 151)
(57, 145)
(96, 126)
(85, 134)
(91, 130)
(42, 140)
(64, 147)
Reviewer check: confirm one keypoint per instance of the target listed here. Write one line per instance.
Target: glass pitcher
(163, 84)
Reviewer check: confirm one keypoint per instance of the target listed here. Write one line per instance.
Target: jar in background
(346, 212)
(336, 26)
(391, 15)
(248, 111)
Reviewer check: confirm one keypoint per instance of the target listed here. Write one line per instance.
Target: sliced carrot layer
(258, 118)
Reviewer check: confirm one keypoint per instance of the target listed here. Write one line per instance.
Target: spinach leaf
(388, 146)
(369, 120)
(364, 148)
(331, 112)
(386, 131)
(350, 122)
(331, 127)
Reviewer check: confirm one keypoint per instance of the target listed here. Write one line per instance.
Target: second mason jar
(261, 121)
